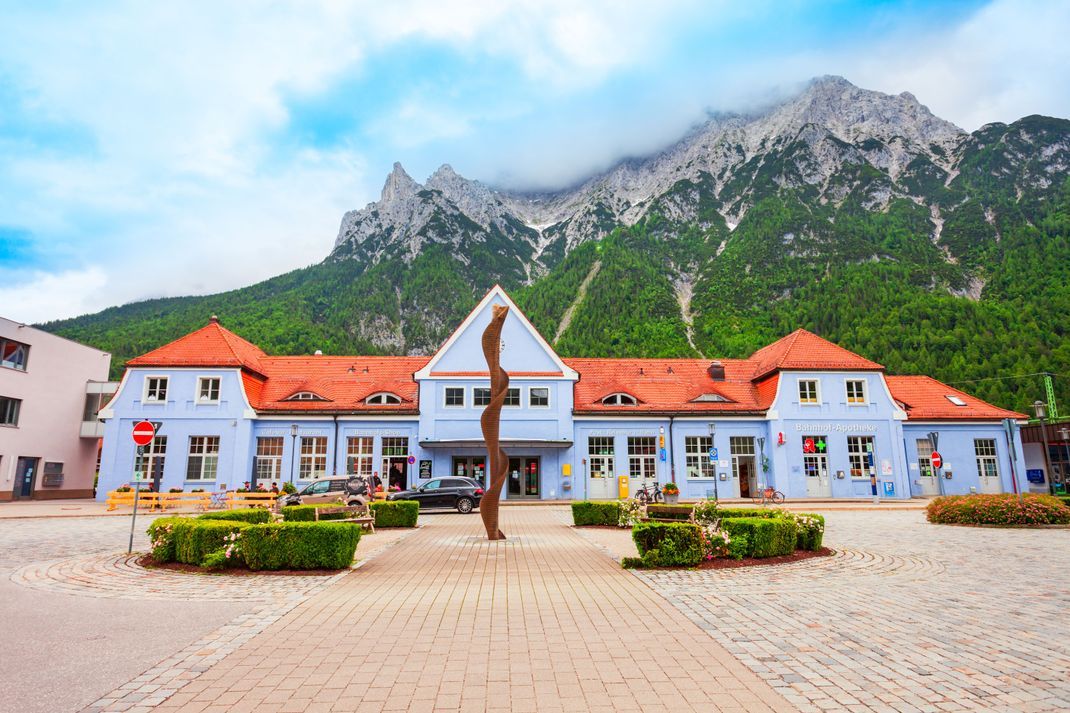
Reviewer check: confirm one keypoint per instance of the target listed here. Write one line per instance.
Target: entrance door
(745, 471)
(987, 465)
(642, 463)
(396, 469)
(601, 480)
(816, 467)
(474, 467)
(926, 475)
(524, 478)
(25, 474)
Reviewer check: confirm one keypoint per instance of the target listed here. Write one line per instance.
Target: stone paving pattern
(907, 616)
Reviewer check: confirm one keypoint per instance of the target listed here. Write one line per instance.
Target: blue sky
(157, 149)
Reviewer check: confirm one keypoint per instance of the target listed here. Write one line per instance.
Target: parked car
(463, 494)
(352, 490)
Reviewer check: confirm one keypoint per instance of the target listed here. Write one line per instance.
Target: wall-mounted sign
(566, 469)
(1034, 475)
(425, 469)
(889, 489)
(886, 467)
(837, 427)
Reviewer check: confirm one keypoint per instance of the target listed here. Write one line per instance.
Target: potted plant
(671, 491)
(379, 494)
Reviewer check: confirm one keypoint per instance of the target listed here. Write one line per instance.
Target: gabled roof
(803, 350)
(210, 346)
(345, 381)
(925, 399)
(667, 386)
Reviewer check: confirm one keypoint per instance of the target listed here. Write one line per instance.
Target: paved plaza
(905, 616)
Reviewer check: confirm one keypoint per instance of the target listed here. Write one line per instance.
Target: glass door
(523, 478)
(816, 467)
(470, 467)
(25, 472)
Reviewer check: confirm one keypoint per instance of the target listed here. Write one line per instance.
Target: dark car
(463, 494)
(351, 490)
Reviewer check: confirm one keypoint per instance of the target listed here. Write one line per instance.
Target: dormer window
(711, 399)
(383, 398)
(305, 396)
(955, 400)
(619, 399)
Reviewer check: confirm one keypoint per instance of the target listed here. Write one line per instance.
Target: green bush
(810, 530)
(300, 545)
(257, 516)
(307, 513)
(998, 510)
(162, 536)
(670, 512)
(738, 546)
(395, 513)
(749, 512)
(586, 512)
(195, 539)
(668, 544)
(766, 536)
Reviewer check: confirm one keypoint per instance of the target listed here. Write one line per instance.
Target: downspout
(672, 457)
(334, 450)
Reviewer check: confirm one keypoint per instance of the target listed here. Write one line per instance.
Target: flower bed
(1002, 510)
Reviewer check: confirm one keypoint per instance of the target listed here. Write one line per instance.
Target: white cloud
(47, 294)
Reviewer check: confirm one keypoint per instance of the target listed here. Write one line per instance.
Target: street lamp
(1041, 410)
(293, 450)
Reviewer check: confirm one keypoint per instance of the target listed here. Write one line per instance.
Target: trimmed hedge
(162, 534)
(667, 544)
(587, 512)
(395, 513)
(195, 539)
(726, 513)
(256, 516)
(766, 536)
(307, 513)
(670, 512)
(809, 536)
(300, 545)
(1001, 509)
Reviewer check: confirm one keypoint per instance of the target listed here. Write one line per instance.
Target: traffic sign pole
(143, 434)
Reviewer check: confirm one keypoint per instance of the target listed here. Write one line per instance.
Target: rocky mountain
(857, 214)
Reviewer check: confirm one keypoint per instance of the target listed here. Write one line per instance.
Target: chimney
(213, 320)
(318, 352)
(716, 371)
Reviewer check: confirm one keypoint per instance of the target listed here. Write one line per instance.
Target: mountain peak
(399, 185)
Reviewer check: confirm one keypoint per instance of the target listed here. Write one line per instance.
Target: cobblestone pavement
(906, 617)
(447, 621)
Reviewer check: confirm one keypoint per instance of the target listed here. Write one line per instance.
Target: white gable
(525, 350)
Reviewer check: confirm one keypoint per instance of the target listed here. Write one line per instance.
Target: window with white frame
(856, 391)
(395, 446)
(155, 389)
(384, 398)
(808, 391)
(152, 461)
(858, 448)
(985, 450)
(600, 456)
(203, 462)
(454, 397)
(619, 400)
(697, 456)
(313, 457)
(269, 458)
(480, 396)
(925, 460)
(512, 397)
(9, 411)
(359, 456)
(642, 451)
(208, 389)
(14, 355)
(955, 400)
(539, 397)
(304, 396)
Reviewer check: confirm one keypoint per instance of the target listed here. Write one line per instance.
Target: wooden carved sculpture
(491, 422)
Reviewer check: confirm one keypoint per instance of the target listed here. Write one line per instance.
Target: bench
(200, 501)
(146, 499)
(358, 514)
(251, 500)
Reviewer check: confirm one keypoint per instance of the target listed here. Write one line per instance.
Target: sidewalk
(70, 508)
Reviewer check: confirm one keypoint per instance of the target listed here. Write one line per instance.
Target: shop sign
(1034, 475)
(837, 427)
(425, 469)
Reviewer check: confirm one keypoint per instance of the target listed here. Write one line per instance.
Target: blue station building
(802, 415)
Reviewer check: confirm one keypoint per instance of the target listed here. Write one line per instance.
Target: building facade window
(313, 457)
(153, 459)
(858, 448)
(985, 451)
(9, 411)
(600, 456)
(512, 397)
(305, 396)
(642, 451)
(383, 399)
(925, 461)
(155, 389)
(454, 397)
(93, 404)
(808, 391)
(269, 458)
(619, 400)
(539, 397)
(14, 355)
(697, 456)
(208, 389)
(743, 452)
(359, 456)
(203, 463)
(856, 391)
(480, 396)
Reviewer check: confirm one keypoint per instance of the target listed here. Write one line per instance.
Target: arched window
(619, 399)
(305, 396)
(383, 398)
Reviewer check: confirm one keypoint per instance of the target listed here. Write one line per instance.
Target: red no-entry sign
(936, 459)
(143, 433)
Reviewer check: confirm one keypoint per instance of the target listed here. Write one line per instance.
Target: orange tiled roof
(805, 350)
(344, 381)
(211, 345)
(925, 399)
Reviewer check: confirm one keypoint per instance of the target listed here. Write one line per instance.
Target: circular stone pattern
(844, 563)
(121, 577)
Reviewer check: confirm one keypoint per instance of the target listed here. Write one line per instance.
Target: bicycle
(649, 493)
(769, 495)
